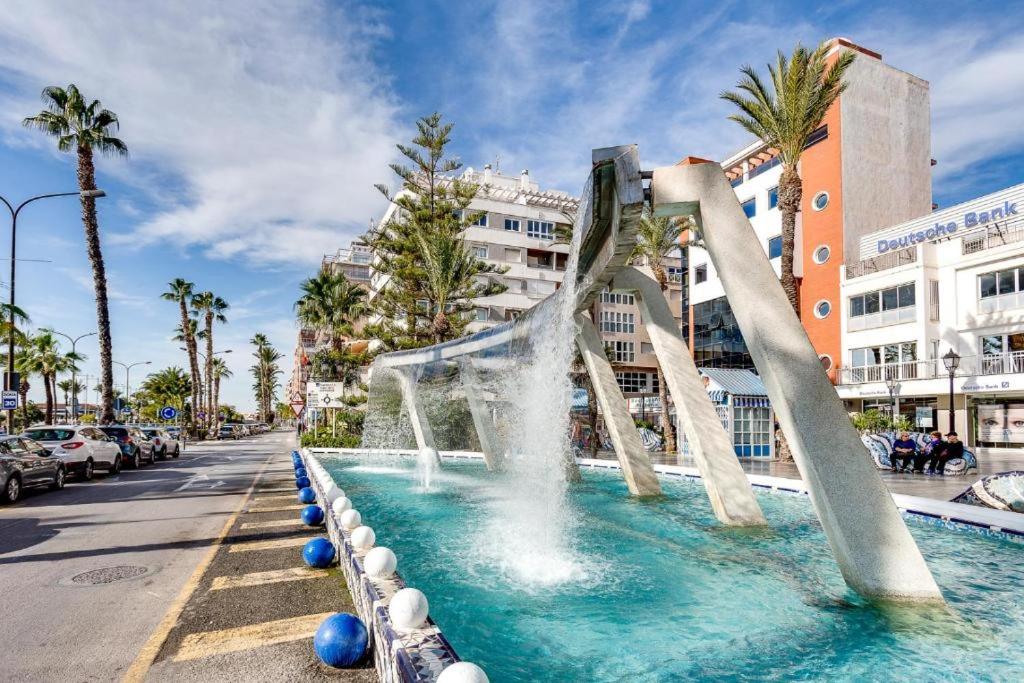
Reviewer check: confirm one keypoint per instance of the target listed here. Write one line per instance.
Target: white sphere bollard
(408, 609)
(380, 563)
(333, 493)
(341, 504)
(363, 538)
(350, 519)
(463, 672)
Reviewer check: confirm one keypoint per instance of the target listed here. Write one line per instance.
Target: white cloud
(257, 127)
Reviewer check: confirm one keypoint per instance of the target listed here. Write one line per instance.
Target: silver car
(164, 443)
(82, 449)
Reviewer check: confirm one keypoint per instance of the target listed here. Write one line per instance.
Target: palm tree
(169, 386)
(803, 88)
(181, 291)
(260, 341)
(69, 389)
(330, 304)
(657, 236)
(219, 370)
(265, 373)
(212, 308)
(84, 127)
(43, 357)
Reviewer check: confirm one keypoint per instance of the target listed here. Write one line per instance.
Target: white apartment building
(950, 280)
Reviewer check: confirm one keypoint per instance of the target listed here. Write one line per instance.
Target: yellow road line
(262, 578)
(268, 545)
(275, 508)
(275, 523)
(147, 655)
(196, 645)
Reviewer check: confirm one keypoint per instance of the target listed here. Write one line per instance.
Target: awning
(751, 401)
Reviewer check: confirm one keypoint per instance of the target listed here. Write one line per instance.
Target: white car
(82, 449)
(163, 443)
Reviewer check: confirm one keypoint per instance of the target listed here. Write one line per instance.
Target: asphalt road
(157, 522)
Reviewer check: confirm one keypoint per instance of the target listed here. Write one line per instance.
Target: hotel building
(952, 280)
(867, 166)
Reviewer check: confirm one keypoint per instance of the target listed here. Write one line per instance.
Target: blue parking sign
(10, 400)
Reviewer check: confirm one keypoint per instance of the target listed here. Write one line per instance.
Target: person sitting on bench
(922, 457)
(950, 449)
(903, 451)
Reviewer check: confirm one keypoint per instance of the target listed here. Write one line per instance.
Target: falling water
(426, 467)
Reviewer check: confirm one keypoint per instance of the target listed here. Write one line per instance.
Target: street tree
(180, 291)
(211, 307)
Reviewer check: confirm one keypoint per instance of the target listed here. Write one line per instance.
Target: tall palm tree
(83, 127)
(181, 291)
(219, 370)
(260, 341)
(265, 373)
(69, 389)
(212, 308)
(803, 87)
(330, 304)
(43, 357)
(657, 236)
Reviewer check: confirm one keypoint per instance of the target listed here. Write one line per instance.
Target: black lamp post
(952, 361)
(893, 385)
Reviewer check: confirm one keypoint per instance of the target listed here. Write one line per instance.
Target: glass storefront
(997, 422)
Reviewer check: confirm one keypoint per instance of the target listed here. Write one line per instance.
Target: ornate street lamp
(952, 361)
(892, 383)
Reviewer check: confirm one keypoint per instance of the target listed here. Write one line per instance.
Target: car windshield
(50, 434)
(115, 431)
(150, 432)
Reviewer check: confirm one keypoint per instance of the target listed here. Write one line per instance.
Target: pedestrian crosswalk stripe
(262, 578)
(196, 645)
(275, 523)
(276, 508)
(268, 545)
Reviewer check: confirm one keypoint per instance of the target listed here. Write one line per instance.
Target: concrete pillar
(418, 416)
(483, 421)
(875, 552)
(730, 494)
(636, 466)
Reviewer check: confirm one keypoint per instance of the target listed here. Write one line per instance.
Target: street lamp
(127, 376)
(893, 385)
(15, 210)
(952, 361)
(74, 369)
(200, 353)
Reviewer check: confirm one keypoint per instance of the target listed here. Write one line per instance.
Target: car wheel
(152, 456)
(163, 453)
(87, 470)
(58, 480)
(133, 461)
(12, 489)
(177, 452)
(115, 468)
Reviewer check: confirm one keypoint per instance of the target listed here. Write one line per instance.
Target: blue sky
(257, 129)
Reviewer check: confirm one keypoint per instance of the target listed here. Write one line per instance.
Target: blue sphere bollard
(312, 515)
(302, 482)
(297, 463)
(307, 495)
(301, 472)
(341, 640)
(295, 454)
(318, 553)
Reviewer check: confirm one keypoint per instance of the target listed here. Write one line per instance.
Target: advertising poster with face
(1001, 424)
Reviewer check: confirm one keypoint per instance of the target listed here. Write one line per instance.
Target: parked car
(163, 443)
(227, 432)
(25, 463)
(82, 449)
(135, 446)
(174, 432)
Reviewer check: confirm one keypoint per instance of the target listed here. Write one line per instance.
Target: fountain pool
(658, 590)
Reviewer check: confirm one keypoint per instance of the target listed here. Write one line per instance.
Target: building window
(821, 254)
(700, 274)
(822, 309)
(750, 207)
(480, 315)
(615, 321)
(752, 431)
(885, 307)
(1002, 353)
(516, 286)
(773, 197)
(616, 297)
(481, 220)
(820, 201)
(675, 273)
(717, 340)
(544, 230)
(620, 351)
(766, 166)
(512, 224)
(1001, 290)
(817, 136)
(775, 247)
(480, 252)
(737, 181)
(637, 382)
(933, 300)
(646, 347)
(826, 362)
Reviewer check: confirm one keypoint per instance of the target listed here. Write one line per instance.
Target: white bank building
(952, 280)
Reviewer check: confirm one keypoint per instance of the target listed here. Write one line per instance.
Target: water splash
(426, 467)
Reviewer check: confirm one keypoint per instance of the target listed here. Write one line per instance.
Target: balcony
(995, 235)
(894, 316)
(877, 264)
(971, 366)
(1001, 302)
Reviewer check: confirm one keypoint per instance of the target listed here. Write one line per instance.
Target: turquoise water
(658, 591)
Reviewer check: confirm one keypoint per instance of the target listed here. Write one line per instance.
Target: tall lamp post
(893, 385)
(952, 361)
(15, 210)
(74, 369)
(127, 376)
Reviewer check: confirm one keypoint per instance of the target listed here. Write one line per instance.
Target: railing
(1001, 302)
(996, 235)
(989, 364)
(895, 316)
(887, 261)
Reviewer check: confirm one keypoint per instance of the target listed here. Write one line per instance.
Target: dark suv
(25, 463)
(135, 446)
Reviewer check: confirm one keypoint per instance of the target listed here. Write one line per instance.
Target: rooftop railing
(996, 235)
(876, 264)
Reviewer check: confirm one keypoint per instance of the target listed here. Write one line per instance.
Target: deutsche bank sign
(939, 230)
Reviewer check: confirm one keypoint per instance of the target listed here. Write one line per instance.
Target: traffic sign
(10, 400)
(126, 411)
(168, 413)
(297, 407)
